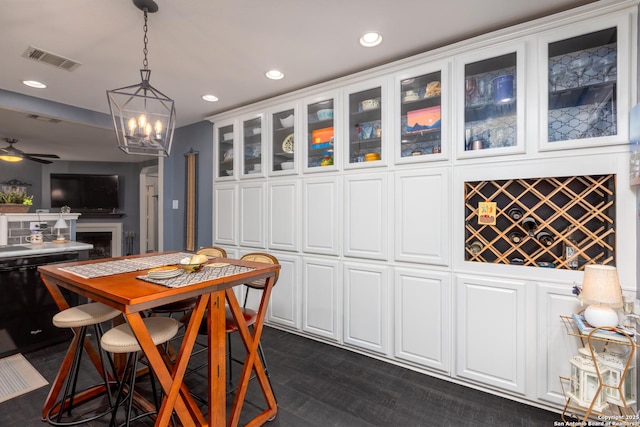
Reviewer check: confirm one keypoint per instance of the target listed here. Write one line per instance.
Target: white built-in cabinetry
(373, 252)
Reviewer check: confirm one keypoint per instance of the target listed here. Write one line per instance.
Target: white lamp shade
(601, 286)
(61, 223)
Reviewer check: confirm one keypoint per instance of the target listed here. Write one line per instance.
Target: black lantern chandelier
(143, 117)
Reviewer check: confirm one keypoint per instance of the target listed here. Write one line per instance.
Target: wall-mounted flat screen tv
(85, 191)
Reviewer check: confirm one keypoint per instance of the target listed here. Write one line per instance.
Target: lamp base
(599, 315)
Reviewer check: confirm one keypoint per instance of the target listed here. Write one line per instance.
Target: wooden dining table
(126, 292)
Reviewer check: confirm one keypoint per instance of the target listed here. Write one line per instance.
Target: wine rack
(556, 222)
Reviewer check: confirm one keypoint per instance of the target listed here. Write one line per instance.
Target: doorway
(149, 209)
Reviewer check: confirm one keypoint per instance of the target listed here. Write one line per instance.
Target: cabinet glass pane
(320, 137)
(582, 86)
(365, 125)
(490, 103)
(225, 151)
(252, 146)
(420, 115)
(282, 137)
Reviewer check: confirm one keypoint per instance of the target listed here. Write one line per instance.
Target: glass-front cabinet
(491, 93)
(422, 105)
(581, 101)
(283, 124)
(225, 151)
(321, 134)
(252, 146)
(365, 126)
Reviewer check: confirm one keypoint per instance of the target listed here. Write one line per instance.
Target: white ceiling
(220, 47)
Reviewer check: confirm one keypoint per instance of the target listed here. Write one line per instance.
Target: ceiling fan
(12, 154)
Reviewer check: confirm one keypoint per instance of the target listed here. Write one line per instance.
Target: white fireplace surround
(115, 228)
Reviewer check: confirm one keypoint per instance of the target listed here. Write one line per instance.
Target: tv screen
(84, 192)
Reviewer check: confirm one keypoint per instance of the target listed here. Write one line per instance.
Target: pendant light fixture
(143, 117)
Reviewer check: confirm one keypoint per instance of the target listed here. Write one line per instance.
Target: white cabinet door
(366, 217)
(284, 306)
(422, 218)
(366, 306)
(225, 208)
(422, 317)
(321, 312)
(554, 346)
(283, 215)
(252, 214)
(321, 213)
(490, 332)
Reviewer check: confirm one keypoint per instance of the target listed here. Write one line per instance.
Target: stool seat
(84, 315)
(122, 340)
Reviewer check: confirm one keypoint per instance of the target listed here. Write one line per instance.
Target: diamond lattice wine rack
(558, 222)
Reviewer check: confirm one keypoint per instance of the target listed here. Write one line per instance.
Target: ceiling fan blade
(51, 156)
(35, 159)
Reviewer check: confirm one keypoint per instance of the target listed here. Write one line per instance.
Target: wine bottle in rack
(570, 249)
(530, 225)
(515, 213)
(516, 237)
(545, 238)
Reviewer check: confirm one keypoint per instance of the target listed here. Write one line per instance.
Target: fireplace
(106, 238)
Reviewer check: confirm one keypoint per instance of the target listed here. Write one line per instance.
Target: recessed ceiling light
(274, 74)
(371, 39)
(210, 98)
(34, 83)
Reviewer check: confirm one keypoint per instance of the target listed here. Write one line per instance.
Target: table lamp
(601, 289)
(60, 223)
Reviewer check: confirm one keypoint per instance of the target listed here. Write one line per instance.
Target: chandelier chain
(145, 62)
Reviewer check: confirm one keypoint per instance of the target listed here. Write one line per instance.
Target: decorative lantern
(619, 379)
(584, 382)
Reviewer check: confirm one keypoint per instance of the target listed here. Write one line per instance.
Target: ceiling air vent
(44, 119)
(50, 58)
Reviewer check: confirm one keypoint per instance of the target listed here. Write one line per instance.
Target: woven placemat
(204, 275)
(108, 268)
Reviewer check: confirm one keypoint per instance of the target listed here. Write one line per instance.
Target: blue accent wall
(197, 137)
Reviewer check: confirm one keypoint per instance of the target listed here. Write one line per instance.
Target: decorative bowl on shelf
(287, 122)
(287, 165)
(227, 136)
(256, 131)
(370, 104)
(229, 172)
(371, 157)
(325, 114)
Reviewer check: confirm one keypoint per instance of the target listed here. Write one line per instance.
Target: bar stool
(122, 340)
(82, 316)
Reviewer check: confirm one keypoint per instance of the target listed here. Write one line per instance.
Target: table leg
(217, 360)
(177, 396)
(252, 361)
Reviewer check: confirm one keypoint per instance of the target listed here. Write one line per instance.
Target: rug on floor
(18, 376)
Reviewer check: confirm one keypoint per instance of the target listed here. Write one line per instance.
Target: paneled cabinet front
(284, 215)
(366, 217)
(422, 206)
(321, 296)
(491, 332)
(366, 306)
(253, 216)
(225, 150)
(284, 151)
(284, 306)
(225, 208)
(322, 215)
(422, 318)
(554, 348)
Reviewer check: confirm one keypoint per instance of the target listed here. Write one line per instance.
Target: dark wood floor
(321, 385)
